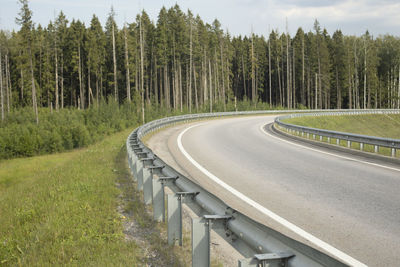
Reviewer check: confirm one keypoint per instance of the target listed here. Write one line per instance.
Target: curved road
(342, 199)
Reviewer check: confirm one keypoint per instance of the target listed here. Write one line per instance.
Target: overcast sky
(238, 16)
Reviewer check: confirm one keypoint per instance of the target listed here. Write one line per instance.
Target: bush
(70, 128)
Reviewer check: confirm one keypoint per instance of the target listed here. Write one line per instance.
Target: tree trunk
(205, 87)
(211, 94)
(90, 92)
(365, 76)
(9, 79)
(81, 93)
(319, 82)
(196, 100)
(97, 87)
(101, 82)
(62, 82)
(180, 85)
(8, 88)
(1, 89)
(190, 69)
(253, 85)
(294, 80)
(269, 72)
(22, 81)
(244, 79)
(283, 76)
(279, 83)
(115, 65)
(187, 86)
(128, 82)
(156, 82)
(288, 89)
(228, 88)
(350, 89)
(356, 102)
(398, 92)
(166, 88)
(223, 78)
(161, 89)
(316, 91)
(303, 101)
(34, 101)
(338, 90)
(56, 73)
(309, 102)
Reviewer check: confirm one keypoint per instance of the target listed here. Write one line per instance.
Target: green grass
(61, 209)
(374, 125)
(384, 125)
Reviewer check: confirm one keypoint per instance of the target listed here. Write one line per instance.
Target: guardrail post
(159, 197)
(173, 218)
(320, 138)
(376, 149)
(362, 146)
(393, 152)
(175, 215)
(201, 228)
(134, 160)
(146, 182)
(313, 136)
(200, 243)
(268, 259)
(135, 150)
(329, 140)
(349, 144)
(308, 136)
(139, 169)
(158, 201)
(338, 141)
(139, 174)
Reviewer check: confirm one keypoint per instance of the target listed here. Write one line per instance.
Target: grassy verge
(387, 126)
(374, 125)
(62, 209)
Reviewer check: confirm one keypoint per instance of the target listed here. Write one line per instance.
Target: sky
(239, 17)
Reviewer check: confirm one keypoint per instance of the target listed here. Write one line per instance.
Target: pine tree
(25, 21)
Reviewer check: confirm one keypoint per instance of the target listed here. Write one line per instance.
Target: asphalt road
(335, 196)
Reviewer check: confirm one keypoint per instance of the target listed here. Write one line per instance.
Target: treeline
(182, 63)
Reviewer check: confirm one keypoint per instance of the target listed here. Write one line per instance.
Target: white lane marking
(317, 242)
(327, 153)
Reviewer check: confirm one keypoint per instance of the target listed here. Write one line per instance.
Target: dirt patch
(138, 225)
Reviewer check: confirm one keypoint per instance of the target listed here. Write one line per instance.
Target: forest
(180, 63)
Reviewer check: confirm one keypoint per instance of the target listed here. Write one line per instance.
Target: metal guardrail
(260, 244)
(377, 142)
